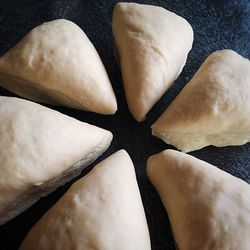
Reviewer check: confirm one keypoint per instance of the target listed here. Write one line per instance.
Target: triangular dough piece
(56, 63)
(152, 48)
(207, 207)
(101, 211)
(41, 149)
(213, 108)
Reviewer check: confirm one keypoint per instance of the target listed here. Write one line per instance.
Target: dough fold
(152, 45)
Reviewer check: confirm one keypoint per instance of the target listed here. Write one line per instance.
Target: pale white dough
(56, 63)
(213, 108)
(152, 45)
(101, 211)
(208, 208)
(41, 149)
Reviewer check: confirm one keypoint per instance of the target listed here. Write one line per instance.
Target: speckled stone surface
(217, 25)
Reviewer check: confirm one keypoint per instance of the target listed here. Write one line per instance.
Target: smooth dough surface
(56, 63)
(38, 145)
(101, 211)
(208, 208)
(152, 45)
(213, 108)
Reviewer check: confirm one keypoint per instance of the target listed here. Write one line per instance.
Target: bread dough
(41, 149)
(152, 47)
(56, 63)
(213, 108)
(207, 207)
(101, 211)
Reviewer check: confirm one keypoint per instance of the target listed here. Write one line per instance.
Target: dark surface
(216, 24)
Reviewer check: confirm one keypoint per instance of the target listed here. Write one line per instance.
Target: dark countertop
(217, 25)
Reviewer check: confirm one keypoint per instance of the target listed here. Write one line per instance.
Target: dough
(152, 47)
(41, 149)
(207, 207)
(56, 63)
(101, 211)
(213, 108)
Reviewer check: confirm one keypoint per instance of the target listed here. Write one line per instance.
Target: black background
(217, 25)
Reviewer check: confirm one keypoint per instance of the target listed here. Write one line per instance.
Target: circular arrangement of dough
(42, 149)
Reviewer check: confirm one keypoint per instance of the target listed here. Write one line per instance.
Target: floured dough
(41, 149)
(56, 63)
(213, 108)
(207, 207)
(152, 47)
(101, 211)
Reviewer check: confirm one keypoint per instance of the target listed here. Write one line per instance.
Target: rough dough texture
(152, 48)
(101, 211)
(41, 149)
(208, 208)
(56, 63)
(213, 108)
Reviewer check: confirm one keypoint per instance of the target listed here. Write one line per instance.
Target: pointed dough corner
(41, 149)
(103, 210)
(213, 108)
(152, 45)
(56, 63)
(207, 207)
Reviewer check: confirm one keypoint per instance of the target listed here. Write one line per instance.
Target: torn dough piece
(213, 108)
(41, 149)
(101, 211)
(56, 63)
(207, 207)
(152, 48)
